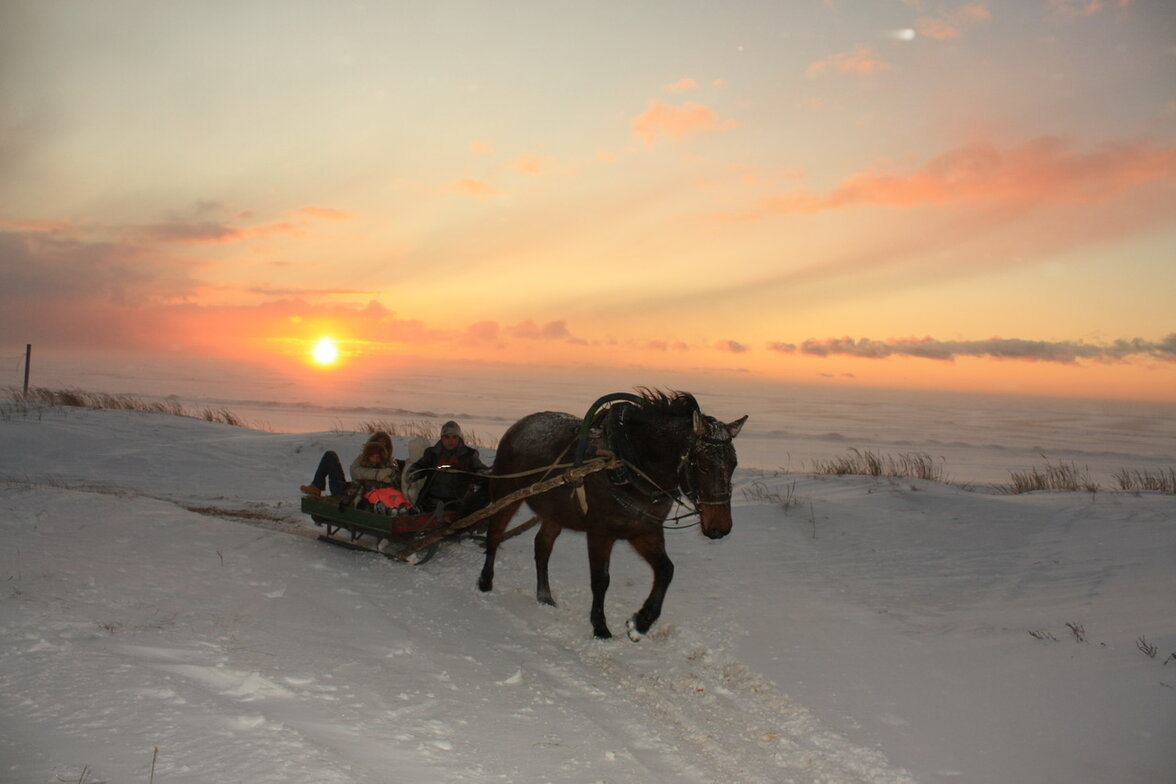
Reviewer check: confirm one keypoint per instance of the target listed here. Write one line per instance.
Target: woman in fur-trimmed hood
(375, 463)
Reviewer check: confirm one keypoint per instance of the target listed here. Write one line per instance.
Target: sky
(900, 193)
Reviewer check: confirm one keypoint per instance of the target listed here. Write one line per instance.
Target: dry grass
(1063, 476)
(785, 499)
(422, 428)
(41, 397)
(1160, 481)
(910, 465)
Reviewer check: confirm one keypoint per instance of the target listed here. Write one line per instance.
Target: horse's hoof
(632, 632)
(485, 586)
(602, 634)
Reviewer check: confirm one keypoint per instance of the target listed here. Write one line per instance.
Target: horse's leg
(544, 541)
(494, 531)
(652, 548)
(599, 552)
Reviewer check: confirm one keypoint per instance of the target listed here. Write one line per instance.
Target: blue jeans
(329, 468)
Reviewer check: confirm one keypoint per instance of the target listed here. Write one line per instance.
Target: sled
(415, 537)
(365, 529)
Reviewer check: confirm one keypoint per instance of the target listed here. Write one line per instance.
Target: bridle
(716, 435)
(687, 466)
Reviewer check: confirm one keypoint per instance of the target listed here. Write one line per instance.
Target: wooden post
(28, 356)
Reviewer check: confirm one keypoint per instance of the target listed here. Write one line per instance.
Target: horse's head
(706, 472)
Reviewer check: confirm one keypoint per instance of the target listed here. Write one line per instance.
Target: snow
(167, 611)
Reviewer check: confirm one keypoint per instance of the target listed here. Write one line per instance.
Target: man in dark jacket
(454, 474)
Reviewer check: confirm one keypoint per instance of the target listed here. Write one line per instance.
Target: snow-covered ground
(168, 612)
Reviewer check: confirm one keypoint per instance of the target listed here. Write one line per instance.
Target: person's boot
(311, 490)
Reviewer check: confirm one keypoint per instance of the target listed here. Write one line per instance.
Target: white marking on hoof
(631, 628)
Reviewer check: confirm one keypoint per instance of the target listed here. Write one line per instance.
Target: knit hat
(451, 428)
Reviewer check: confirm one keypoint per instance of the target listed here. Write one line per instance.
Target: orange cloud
(675, 122)
(682, 85)
(481, 148)
(210, 232)
(1043, 170)
(1084, 7)
(483, 332)
(951, 24)
(530, 164)
(474, 187)
(860, 61)
(529, 330)
(731, 346)
(326, 213)
(185, 233)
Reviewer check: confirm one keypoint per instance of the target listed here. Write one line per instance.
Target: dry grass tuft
(1155, 481)
(785, 499)
(910, 465)
(42, 397)
(422, 428)
(1063, 476)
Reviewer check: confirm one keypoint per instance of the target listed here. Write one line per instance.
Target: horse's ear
(736, 426)
(699, 425)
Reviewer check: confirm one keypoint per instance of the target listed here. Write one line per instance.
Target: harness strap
(590, 416)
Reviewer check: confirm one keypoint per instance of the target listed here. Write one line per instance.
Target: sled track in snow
(258, 516)
(705, 715)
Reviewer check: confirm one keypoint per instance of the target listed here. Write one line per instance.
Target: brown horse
(668, 448)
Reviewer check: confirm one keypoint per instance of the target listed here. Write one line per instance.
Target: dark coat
(463, 479)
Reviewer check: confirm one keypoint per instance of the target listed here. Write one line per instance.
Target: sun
(325, 351)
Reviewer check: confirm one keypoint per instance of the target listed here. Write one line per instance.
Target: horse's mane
(671, 403)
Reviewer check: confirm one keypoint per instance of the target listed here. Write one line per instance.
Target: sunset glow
(940, 195)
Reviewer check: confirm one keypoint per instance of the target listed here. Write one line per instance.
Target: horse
(666, 447)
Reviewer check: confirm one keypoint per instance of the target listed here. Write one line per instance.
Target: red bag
(388, 496)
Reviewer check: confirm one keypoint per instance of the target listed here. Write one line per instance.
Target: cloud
(474, 187)
(179, 231)
(39, 267)
(731, 346)
(183, 233)
(531, 164)
(273, 291)
(676, 122)
(481, 148)
(861, 62)
(1044, 170)
(951, 24)
(1063, 352)
(529, 330)
(325, 213)
(483, 332)
(1084, 7)
(88, 266)
(682, 85)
